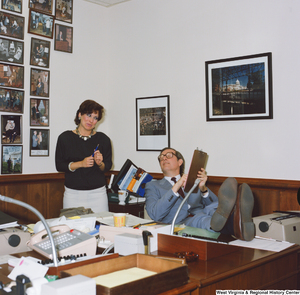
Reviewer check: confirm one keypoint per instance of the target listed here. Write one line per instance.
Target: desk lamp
(197, 181)
(40, 216)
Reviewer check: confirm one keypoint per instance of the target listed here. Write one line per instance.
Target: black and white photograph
(12, 157)
(64, 10)
(239, 88)
(152, 123)
(11, 25)
(39, 112)
(11, 100)
(40, 53)
(39, 82)
(40, 24)
(39, 142)
(45, 6)
(11, 51)
(12, 5)
(11, 76)
(11, 126)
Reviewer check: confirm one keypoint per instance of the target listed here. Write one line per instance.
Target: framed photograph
(239, 88)
(45, 6)
(11, 25)
(12, 159)
(40, 53)
(63, 38)
(11, 51)
(11, 129)
(14, 6)
(64, 10)
(40, 24)
(39, 112)
(39, 82)
(11, 100)
(152, 123)
(11, 76)
(39, 142)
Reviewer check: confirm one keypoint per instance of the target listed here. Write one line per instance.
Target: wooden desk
(248, 269)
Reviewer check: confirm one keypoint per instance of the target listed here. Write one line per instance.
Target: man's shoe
(244, 228)
(227, 196)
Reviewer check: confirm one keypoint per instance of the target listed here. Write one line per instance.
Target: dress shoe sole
(244, 228)
(227, 198)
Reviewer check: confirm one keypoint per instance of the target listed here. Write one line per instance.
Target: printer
(281, 226)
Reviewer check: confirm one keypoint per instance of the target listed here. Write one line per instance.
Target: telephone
(67, 242)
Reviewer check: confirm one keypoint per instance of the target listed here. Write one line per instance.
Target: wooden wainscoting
(42, 191)
(45, 193)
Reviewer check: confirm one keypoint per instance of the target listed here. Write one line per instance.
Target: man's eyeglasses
(168, 155)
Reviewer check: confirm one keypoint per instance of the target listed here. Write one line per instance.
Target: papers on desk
(263, 244)
(131, 220)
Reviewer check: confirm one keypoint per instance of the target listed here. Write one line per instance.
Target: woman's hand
(87, 162)
(98, 158)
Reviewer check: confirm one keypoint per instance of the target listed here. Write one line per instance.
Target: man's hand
(202, 175)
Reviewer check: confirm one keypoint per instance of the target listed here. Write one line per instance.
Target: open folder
(199, 161)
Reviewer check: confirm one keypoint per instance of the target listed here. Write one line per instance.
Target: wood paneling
(45, 193)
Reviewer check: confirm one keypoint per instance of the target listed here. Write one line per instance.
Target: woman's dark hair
(178, 156)
(89, 107)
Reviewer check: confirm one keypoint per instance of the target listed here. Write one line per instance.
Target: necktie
(180, 191)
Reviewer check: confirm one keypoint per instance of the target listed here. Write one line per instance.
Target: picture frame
(11, 76)
(40, 24)
(11, 51)
(11, 129)
(14, 6)
(39, 82)
(239, 88)
(63, 38)
(11, 100)
(64, 10)
(12, 159)
(39, 142)
(45, 6)
(39, 112)
(152, 123)
(40, 53)
(11, 25)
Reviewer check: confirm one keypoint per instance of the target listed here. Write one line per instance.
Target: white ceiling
(107, 3)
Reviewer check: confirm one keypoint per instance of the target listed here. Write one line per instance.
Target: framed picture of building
(64, 10)
(39, 82)
(39, 142)
(12, 159)
(239, 88)
(11, 25)
(11, 128)
(39, 112)
(152, 123)
(40, 53)
(11, 51)
(11, 100)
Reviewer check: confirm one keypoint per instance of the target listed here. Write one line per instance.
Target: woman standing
(85, 155)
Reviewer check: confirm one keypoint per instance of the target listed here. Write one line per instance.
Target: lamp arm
(196, 183)
(40, 216)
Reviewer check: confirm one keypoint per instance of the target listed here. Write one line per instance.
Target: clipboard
(199, 161)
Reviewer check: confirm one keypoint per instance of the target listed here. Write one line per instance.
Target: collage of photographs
(46, 20)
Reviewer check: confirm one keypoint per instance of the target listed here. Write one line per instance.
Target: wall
(145, 48)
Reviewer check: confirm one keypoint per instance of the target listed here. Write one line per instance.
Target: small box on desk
(206, 250)
(168, 274)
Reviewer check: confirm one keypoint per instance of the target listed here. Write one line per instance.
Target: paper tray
(169, 274)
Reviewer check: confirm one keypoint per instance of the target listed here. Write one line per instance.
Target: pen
(95, 149)
(137, 226)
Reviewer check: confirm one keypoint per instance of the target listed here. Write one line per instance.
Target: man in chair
(229, 213)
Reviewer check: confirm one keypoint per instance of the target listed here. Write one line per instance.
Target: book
(7, 220)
